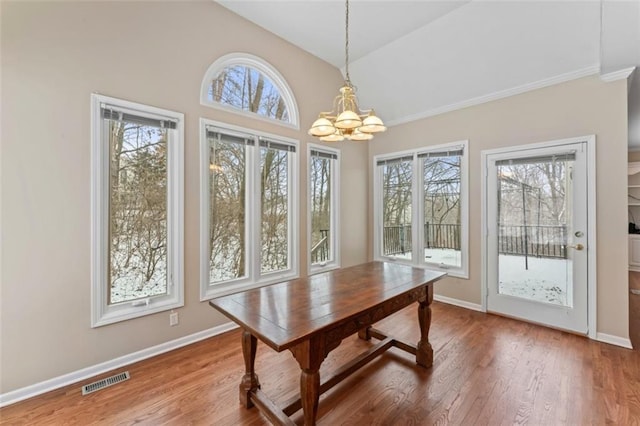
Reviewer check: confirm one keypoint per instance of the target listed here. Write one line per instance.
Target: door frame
(591, 220)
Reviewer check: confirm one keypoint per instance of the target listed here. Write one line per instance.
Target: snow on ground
(545, 280)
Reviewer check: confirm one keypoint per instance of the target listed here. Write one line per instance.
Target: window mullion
(377, 210)
(333, 219)
(464, 212)
(171, 236)
(416, 196)
(254, 211)
(418, 222)
(103, 221)
(291, 216)
(175, 213)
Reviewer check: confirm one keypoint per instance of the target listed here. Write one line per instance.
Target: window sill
(451, 272)
(127, 311)
(318, 269)
(225, 289)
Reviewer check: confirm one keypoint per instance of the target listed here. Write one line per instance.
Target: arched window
(247, 84)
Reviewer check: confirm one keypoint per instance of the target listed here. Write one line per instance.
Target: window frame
(254, 277)
(262, 66)
(335, 210)
(101, 312)
(417, 206)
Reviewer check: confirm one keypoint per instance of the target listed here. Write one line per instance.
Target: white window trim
(252, 61)
(101, 312)
(254, 278)
(417, 208)
(335, 211)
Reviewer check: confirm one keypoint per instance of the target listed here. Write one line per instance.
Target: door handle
(576, 246)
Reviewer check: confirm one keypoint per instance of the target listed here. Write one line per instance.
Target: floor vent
(101, 384)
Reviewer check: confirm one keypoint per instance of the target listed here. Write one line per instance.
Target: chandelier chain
(346, 120)
(346, 44)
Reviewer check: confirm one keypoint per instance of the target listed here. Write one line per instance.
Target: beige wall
(54, 55)
(577, 108)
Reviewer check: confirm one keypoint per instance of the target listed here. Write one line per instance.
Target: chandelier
(346, 120)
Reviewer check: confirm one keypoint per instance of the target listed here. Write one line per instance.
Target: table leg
(310, 355)
(250, 379)
(364, 334)
(310, 394)
(424, 354)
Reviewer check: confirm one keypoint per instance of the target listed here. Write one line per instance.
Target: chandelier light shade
(336, 136)
(346, 120)
(321, 127)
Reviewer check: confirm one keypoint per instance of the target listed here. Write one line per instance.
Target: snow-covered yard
(545, 280)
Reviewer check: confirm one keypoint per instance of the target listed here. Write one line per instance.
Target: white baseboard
(458, 302)
(614, 340)
(600, 337)
(85, 373)
(634, 268)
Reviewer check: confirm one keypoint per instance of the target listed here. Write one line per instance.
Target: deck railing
(533, 240)
(529, 240)
(396, 239)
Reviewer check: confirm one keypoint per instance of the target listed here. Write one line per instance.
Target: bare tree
(248, 89)
(227, 207)
(320, 175)
(274, 190)
(137, 211)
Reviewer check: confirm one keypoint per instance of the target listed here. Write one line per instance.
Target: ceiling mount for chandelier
(346, 120)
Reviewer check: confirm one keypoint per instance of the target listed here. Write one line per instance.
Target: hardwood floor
(487, 370)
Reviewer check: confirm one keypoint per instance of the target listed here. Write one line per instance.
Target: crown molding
(562, 78)
(617, 75)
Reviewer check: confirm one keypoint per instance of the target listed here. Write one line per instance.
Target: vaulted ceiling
(414, 59)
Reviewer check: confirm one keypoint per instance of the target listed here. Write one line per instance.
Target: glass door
(537, 242)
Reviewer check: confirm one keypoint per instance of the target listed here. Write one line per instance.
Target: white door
(536, 213)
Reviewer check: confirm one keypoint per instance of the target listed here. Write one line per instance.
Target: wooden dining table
(310, 316)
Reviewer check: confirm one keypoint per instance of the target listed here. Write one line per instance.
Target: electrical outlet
(173, 319)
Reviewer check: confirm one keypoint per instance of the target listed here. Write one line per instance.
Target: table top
(287, 313)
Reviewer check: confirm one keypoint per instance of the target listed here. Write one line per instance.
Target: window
(249, 209)
(397, 178)
(421, 208)
(442, 212)
(137, 210)
(249, 85)
(323, 208)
